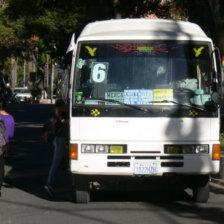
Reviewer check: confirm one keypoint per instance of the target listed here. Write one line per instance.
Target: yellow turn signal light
(74, 151)
(216, 152)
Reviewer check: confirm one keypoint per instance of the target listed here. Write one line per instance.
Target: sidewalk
(218, 181)
(217, 185)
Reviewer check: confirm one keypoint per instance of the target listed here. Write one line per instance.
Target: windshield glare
(143, 73)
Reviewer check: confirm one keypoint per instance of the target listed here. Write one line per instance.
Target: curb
(217, 185)
(221, 172)
(218, 181)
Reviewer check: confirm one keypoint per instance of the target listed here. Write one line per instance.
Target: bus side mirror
(217, 96)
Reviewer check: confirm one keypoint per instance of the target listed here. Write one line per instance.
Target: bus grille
(124, 161)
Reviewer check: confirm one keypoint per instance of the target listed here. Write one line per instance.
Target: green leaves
(5, 29)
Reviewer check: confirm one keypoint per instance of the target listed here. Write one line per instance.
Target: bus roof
(122, 29)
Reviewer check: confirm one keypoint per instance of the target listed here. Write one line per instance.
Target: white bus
(144, 107)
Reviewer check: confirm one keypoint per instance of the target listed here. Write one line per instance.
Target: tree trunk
(13, 71)
(30, 69)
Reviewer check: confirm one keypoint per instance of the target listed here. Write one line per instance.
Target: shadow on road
(150, 196)
(29, 157)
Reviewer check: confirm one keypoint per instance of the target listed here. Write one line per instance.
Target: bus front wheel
(81, 189)
(201, 189)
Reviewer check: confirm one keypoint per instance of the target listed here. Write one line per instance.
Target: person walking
(2, 144)
(6, 131)
(60, 142)
(9, 124)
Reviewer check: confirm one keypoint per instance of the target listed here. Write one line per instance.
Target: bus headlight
(110, 149)
(201, 149)
(88, 148)
(186, 149)
(102, 148)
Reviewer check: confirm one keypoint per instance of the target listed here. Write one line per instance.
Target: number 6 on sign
(99, 72)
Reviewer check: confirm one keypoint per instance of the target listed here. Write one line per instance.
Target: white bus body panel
(144, 129)
(136, 29)
(143, 134)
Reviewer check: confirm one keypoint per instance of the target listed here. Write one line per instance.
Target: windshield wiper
(145, 109)
(180, 104)
(120, 103)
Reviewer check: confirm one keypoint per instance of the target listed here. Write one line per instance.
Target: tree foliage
(53, 21)
(36, 28)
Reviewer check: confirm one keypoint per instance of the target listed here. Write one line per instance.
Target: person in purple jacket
(10, 128)
(8, 120)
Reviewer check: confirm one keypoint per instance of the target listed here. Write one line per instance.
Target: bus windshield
(147, 73)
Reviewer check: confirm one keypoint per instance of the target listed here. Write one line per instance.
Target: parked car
(22, 95)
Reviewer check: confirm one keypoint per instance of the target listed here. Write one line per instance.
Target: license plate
(146, 168)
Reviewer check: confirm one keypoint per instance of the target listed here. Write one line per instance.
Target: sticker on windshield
(95, 112)
(116, 96)
(146, 49)
(198, 51)
(91, 102)
(99, 72)
(80, 63)
(138, 96)
(91, 51)
(163, 94)
(193, 113)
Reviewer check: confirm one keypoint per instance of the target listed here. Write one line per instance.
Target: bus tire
(201, 189)
(81, 189)
(82, 196)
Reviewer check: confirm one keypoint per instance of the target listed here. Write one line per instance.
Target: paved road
(24, 201)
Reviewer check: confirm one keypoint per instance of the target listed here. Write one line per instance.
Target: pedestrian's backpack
(2, 136)
(48, 132)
